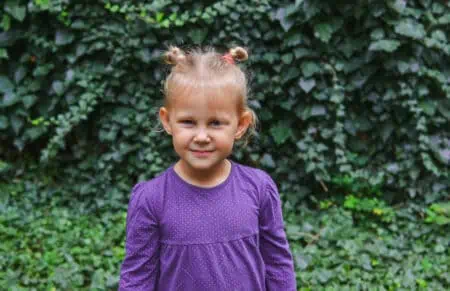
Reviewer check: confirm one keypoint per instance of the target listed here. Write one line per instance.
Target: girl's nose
(202, 136)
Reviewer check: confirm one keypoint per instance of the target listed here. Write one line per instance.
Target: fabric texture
(228, 237)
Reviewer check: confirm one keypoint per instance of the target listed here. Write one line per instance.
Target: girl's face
(203, 131)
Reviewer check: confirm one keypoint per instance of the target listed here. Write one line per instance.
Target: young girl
(206, 223)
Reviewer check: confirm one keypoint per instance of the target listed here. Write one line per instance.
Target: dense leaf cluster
(48, 244)
(354, 100)
(358, 90)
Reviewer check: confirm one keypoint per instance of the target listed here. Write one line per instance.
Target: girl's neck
(206, 178)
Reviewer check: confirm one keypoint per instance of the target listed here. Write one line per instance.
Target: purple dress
(228, 237)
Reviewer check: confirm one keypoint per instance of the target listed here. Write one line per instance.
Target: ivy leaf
(304, 52)
(33, 133)
(268, 161)
(377, 34)
(20, 74)
(198, 35)
(443, 155)
(364, 260)
(43, 4)
(3, 53)
(386, 131)
(302, 261)
(6, 86)
(439, 36)
(9, 99)
(16, 11)
(398, 5)
(303, 112)
(29, 100)
(442, 220)
(441, 149)
(283, 18)
(292, 73)
(350, 126)
(42, 70)
(144, 55)
(78, 24)
(159, 16)
(444, 108)
(6, 22)
(386, 45)
(309, 68)
(3, 122)
(318, 110)
(324, 275)
(445, 19)
(429, 107)
(287, 104)
(16, 123)
(323, 31)
(410, 28)
(363, 123)
(280, 133)
(58, 87)
(287, 58)
(270, 57)
(63, 37)
(307, 84)
(9, 37)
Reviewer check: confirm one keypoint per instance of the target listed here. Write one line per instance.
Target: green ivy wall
(354, 102)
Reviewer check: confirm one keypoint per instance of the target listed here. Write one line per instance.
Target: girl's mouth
(201, 153)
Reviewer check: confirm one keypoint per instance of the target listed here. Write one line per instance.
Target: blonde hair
(206, 69)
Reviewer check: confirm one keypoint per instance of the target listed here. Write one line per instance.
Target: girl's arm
(140, 268)
(274, 247)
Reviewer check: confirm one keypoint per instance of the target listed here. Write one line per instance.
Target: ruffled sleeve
(140, 267)
(274, 247)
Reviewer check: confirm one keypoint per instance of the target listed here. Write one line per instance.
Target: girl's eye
(187, 121)
(216, 123)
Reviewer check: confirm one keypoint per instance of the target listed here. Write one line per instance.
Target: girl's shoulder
(150, 192)
(254, 176)
(252, 172)
(258, 181)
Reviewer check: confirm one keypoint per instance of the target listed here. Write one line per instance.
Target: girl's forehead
(212, 93)
(219, 104)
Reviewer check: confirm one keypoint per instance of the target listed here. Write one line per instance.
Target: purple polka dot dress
(228, 237)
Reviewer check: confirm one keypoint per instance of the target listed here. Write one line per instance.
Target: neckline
(200, 188)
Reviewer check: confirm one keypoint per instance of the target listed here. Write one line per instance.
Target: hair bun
(174, 55)
(239, 54)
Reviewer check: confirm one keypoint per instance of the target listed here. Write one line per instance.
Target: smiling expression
(203, 132)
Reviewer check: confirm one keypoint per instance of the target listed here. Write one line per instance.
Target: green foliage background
(354, 100)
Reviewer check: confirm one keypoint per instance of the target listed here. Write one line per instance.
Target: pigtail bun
(239, 54)
(174, 55)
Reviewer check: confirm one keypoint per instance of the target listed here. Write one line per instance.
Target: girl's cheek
(182, 134)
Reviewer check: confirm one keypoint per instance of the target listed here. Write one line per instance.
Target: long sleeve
(140, 267)
(274, 247)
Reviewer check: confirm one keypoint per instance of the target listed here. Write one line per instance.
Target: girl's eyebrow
(184, 116)
(190, 116)
(221, 115)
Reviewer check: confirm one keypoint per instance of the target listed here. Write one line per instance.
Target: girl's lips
(201, 153)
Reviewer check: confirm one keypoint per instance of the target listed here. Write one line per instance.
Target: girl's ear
(164, 117)
(243, 124)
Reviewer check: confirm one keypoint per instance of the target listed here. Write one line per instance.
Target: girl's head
(205, 103)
